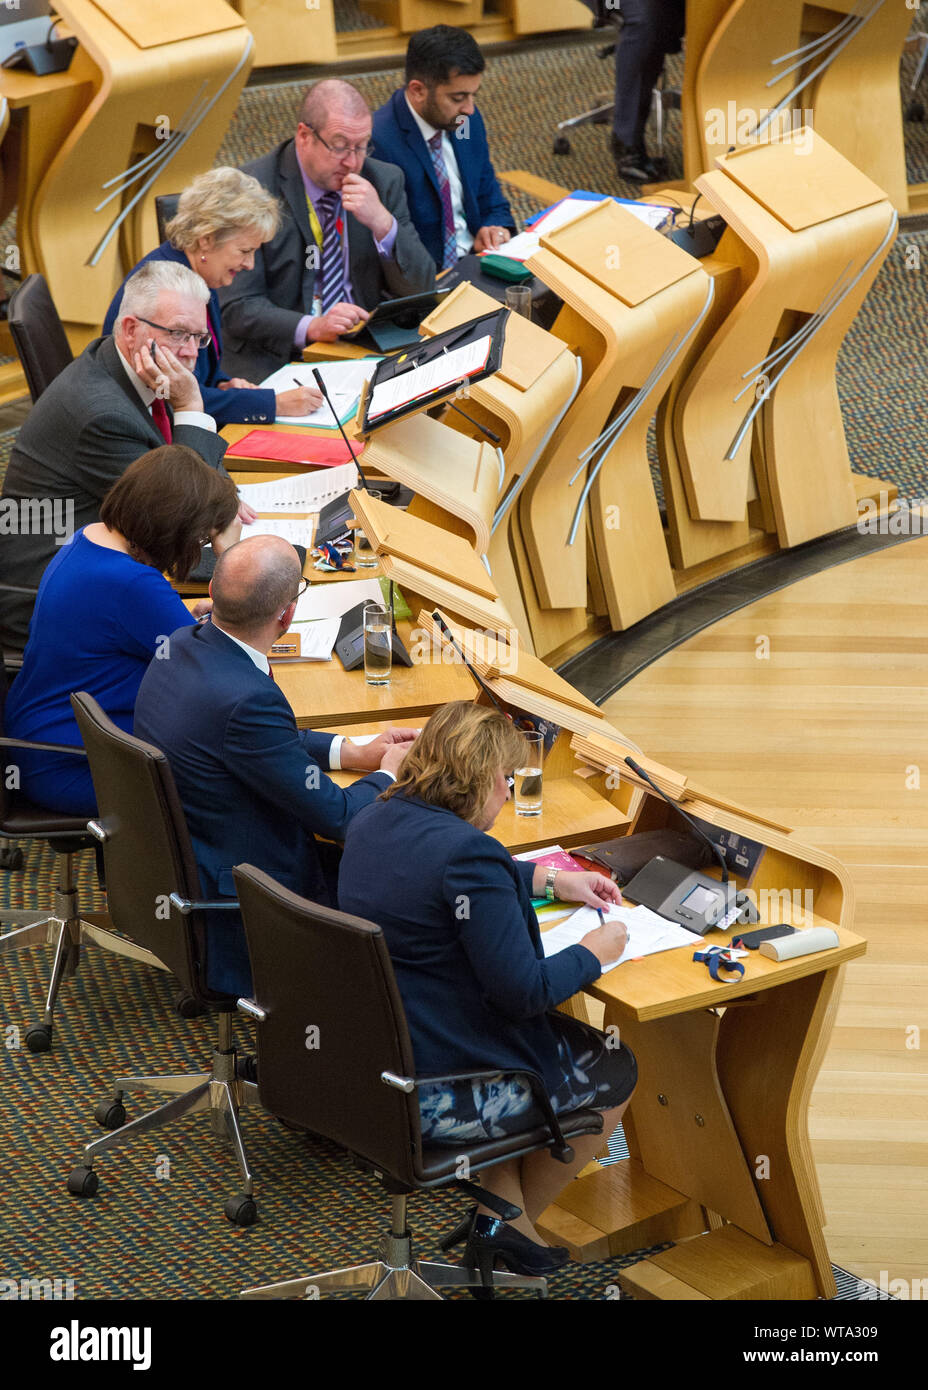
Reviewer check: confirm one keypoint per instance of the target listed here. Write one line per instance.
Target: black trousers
(651, 29)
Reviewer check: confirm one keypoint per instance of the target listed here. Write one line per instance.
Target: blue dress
(99, 618)
(233, 406)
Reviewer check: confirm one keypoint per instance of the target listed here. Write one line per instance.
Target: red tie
(159, 414)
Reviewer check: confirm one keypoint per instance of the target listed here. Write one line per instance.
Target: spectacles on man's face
(341, 149)
(178, 337)
(301, 589)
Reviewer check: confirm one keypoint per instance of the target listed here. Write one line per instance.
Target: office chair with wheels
(165, 209)
(38, 334)
(63, 927)
(153, 891)
(335, 1058)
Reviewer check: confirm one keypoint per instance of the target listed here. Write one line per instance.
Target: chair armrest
(43, 747)
(17, 589)
(184, 905)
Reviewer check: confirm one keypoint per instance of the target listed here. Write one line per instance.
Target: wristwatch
(550, 876)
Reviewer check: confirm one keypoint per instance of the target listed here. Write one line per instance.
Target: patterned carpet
(156, 1229)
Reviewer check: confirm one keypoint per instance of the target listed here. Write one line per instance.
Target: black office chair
(153, 892)
(352, 1079)
(165, 209)
(38, 334)
(63, 927)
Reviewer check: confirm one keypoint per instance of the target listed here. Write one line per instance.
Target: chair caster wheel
(39, 1037)
(110, 1114)
(915, 111)
(241, 1211)
(11, 859)
(561, 145)
(83, 1182)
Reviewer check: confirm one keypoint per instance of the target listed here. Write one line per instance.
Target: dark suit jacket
(398, 140)
(234, 406)
(250, 782)
(262, 307)
(83, 432)
(456, 911)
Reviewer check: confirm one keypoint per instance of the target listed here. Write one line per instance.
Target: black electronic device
(688, 897)
(751, 940)
(349, 644)
(626, 855)
(699, 238)
(334, 519)
(393, 323)
(43, 58)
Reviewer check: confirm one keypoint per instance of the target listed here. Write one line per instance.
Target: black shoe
(246, 1067)
(492, 1241)
(461, 1232)
(635, 166)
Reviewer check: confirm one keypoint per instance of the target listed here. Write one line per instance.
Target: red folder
(282, 447)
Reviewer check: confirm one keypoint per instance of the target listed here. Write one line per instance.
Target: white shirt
(147, 396)
(465, 241)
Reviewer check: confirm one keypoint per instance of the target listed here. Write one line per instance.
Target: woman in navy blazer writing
(221, 220)
(456, 911)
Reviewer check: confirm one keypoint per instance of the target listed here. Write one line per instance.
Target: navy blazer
(251, 783)
(234, 406)
(456, 911)
(398, 140)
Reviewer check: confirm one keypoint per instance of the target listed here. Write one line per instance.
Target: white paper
(521, 247)
(334, 599)
(301, 492)
(296, 532)
(443, 370)
(648, 932)
(344, 381)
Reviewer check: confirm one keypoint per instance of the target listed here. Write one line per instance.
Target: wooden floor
(828, 733)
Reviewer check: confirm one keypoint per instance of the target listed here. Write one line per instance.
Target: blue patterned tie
(444, 187)
(333, 262)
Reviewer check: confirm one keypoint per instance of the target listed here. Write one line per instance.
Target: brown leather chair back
(147, 851)
(334, 1022)
(38, 334)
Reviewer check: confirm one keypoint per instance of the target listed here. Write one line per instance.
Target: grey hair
(151, 280)
(253, 580)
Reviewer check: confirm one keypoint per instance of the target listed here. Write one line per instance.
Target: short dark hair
(166, 503)
(434, 54)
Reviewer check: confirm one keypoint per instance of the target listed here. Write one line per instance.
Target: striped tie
(333, 263)
(444, 187)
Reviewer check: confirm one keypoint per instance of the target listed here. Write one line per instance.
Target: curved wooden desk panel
(142, 97)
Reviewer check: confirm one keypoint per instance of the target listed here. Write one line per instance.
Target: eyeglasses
(179, 337)
(301, 589)
(341, 148)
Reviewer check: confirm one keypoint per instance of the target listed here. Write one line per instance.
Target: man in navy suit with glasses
(432, 129)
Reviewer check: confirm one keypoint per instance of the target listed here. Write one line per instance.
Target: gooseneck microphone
(317, 375)
(636, 768)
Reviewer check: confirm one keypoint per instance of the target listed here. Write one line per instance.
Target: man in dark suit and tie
(434, 132)
(251, 783)
(346, 241)
(124, 395)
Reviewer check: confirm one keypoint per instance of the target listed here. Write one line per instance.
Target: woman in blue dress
(478, 992)
(221, 220)
(104, 610)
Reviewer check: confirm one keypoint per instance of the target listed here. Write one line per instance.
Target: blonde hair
(454, 761)
(220, 203)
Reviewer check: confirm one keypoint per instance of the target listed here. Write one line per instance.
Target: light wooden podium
(524, 402)
(143, 108)
(809, 233)
(838, 59)
(632, 299)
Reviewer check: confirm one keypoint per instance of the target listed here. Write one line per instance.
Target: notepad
(648, 932)
(302, 492)
(307, 641)
(297, 532)
(344, 382)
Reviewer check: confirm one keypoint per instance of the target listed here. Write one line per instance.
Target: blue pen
(602, 916)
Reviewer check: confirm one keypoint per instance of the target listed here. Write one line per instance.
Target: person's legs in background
(651, 29)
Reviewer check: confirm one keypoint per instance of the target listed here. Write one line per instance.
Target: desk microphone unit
(349, 644)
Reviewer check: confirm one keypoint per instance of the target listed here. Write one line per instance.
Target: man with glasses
(124, 395)
(252, 784)
(346, 241)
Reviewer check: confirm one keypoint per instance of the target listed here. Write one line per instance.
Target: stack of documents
(344, 382)
(444, 369)
(303, 492)
(648, 932)
(521, 247)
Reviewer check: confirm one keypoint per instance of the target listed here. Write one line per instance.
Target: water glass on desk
(519, 300)
(529, 776)
(378, 643)
(364, 557)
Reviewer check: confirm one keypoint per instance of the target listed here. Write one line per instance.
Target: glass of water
(378, 643)
(364, 557)
(519, 300)
(528, 776)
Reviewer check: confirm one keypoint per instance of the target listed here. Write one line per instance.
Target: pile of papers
(648, 932)
(344, 382)
(521, 247)
(303, 492)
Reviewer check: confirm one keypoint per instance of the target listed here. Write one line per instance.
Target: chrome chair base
(396, 1275)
